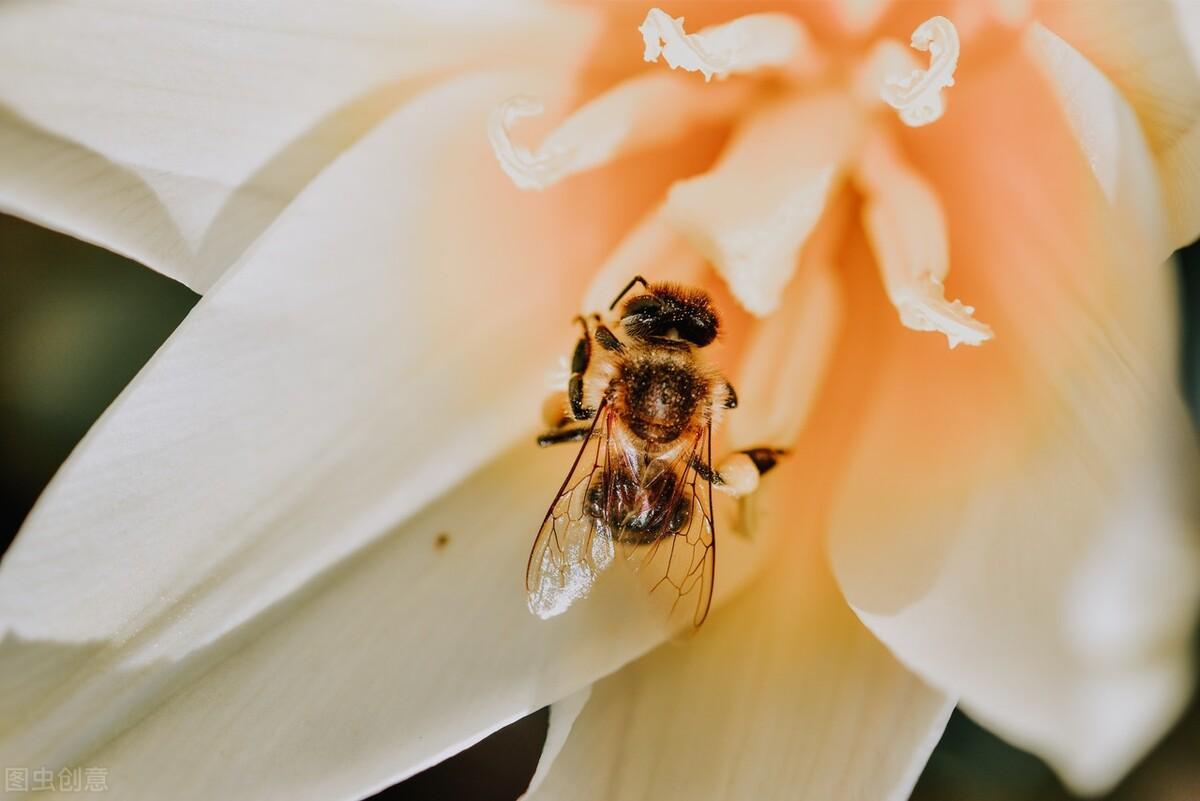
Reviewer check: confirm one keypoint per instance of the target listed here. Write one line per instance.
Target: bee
(643, 402)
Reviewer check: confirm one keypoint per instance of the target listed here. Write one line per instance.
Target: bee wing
(681, 566)
(571, 548)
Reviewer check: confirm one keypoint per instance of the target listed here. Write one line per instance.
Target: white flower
(287, 562)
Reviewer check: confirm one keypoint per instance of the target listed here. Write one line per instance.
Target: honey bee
(643, 402)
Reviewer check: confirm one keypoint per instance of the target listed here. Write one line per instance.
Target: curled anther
(528, 170)
(636, 114)
(918, 95)
(741, 45)
(923, 307)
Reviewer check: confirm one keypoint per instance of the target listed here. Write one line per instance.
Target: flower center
(792, 153)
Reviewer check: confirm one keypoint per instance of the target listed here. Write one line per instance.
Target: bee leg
(730, 399)
(555, 410)
(607, 339)
(579, 364)
(563, 435)
(739, 473)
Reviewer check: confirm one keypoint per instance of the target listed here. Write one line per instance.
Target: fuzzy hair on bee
(643, 401)
(672, 312)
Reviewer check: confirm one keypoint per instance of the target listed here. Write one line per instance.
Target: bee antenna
(637, 279)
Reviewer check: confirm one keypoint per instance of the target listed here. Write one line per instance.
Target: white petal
(753, 211)
(783, 695)
(1059, 607)
(998, 504)
(563, 715)
(1151, 52)
(176, 136)
(388, 662)
(207, 543)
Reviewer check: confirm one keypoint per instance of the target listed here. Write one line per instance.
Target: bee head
(668, 312)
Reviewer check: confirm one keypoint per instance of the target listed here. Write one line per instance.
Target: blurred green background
(76, 324)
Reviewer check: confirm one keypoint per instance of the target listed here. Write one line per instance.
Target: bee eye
(698, 332)
(642, 304)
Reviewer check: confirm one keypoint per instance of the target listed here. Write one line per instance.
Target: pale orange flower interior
(1030, 246)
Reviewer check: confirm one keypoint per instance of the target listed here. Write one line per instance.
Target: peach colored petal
(751, 213)
(1010, 12)
(859, 16)
(652, 249)
(1150, 49)
(265, 498)
(782, 370)
(1108, 134)
(992, 501)
(640, 113)
(176, 136)
(886, 58)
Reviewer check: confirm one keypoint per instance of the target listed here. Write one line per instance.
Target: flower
(287, 561)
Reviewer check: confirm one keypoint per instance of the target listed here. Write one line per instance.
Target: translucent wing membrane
(658, 509)
(570, 549)
(679, 565)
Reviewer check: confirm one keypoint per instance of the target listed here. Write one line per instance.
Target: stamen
(907, 229)
(636, 114)
(776, 395)
(887, 58)
(923, 307)
(918, 95)
(528, 170)
(860, 15)
(742, 45)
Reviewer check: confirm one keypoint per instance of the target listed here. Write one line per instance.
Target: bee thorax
(660, 397)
